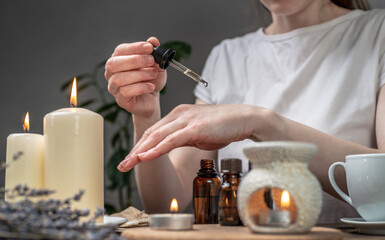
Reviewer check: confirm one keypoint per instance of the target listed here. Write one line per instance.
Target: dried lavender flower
(48, 218)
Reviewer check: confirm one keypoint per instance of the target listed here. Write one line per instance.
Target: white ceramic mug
(365, 177)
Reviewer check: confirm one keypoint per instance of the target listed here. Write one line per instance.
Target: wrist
(143, 122)
(267, 125)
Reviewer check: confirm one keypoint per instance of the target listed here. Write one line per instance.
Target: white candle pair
(73, 150)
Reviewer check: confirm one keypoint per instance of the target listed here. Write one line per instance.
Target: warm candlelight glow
(73, 100)
(174, 205)
(26, 123)
(285, 199)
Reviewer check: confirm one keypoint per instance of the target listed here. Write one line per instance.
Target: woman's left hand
(207, 127)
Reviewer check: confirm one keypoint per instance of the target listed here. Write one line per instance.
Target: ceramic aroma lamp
(280, 194)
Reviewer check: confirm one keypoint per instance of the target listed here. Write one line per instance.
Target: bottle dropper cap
(231, 165)
(163, 56)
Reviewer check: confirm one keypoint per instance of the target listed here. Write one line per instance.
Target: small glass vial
(206, 193)
(228, 211)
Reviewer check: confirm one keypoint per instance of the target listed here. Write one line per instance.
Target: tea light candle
(25, 159)
(276, 217)
(74, 154)
(172, 221)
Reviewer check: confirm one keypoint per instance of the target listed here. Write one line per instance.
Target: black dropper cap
(231, 165)
(163, 56)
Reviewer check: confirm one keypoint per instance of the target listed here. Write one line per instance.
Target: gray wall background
(43, 43)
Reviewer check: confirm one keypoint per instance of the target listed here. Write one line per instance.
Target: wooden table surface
(215, 231)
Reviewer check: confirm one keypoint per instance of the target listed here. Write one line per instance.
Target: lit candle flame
(285, 199)
(26, 123)
(174, 205)
(73, 99)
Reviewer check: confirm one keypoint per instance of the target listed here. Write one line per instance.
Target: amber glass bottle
(206, 193)
(228, 211)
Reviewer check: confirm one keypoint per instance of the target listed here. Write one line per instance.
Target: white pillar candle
(25, 159)
(74, 155)
(73, 140)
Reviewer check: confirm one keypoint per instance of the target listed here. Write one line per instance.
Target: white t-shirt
(325, 76)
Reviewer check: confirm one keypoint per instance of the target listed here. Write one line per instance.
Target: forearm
(272, 127)
(157, 180)
(169, 176)
(160, 180)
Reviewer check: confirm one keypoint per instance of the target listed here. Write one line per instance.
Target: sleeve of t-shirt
(200, 91)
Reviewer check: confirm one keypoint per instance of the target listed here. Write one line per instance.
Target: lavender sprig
(36, 216)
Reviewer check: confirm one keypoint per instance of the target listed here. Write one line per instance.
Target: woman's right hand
(134, 79)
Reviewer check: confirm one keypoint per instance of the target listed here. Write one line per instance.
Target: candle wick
(73, 105)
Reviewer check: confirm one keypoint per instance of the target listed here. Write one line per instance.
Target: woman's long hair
(352, 4)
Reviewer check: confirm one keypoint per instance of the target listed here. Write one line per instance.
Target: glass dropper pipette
(165, 57)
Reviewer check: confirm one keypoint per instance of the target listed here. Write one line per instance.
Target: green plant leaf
(111, 117)
(116, 139)
(87, 103)
(84, 86)
(117, 178)
(110, 209)
(79, 78)
(183, 50)
(106, 107)
(127, 136)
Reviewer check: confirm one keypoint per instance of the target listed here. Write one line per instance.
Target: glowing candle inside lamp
(74, 154)
(285, 199)
(25, 159)
(172, 221)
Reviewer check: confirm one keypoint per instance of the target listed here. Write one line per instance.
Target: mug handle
(334, 184)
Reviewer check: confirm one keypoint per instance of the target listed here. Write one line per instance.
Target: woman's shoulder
(374, 17)
(378, 13)
(233, 46)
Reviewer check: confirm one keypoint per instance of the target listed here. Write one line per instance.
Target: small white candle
(274, 218)
(74, 155)
(277, 217)
(25, 159)
(172, 221)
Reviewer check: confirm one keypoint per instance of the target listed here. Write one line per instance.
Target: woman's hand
(207, 127)
(134, 79)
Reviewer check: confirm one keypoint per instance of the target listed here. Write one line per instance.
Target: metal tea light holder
(280, 194)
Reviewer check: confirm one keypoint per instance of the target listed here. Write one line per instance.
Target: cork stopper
(231, 165)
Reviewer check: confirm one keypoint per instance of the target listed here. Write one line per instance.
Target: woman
(315, 74)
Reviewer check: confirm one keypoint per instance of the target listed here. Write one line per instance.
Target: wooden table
(217, 232)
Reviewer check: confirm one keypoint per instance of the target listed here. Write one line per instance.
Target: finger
(141, 48)
(177, 139)
(126, 63)
(133, 90)
(155, 131)
(154, 41)
(107, 75)
(170, 117)
(152, 133)
(132, 159)
(128, 163)
(159, 134)
(121, 79)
